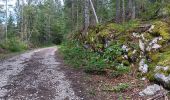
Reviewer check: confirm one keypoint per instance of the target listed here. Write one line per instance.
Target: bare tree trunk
(6, 23)
(123, 10)
(130, 7)
(133, 12)
(86, 15)
(94, 12)
(22, 21)
(77, 15)
(117, 10)
(72, 14)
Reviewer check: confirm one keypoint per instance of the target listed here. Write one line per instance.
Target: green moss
(148, 36)
(150, 76)
(162, 29)
(126, 62)
(165, 59)
(155, 57)
(130, 54)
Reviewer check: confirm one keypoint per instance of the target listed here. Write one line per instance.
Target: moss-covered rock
(165, 59)
(161, 29)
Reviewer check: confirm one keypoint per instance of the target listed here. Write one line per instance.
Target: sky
(12, 2)
(11, 5)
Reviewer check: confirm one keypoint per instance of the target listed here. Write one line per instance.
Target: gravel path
(35, 75)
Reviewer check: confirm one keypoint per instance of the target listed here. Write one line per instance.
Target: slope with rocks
(139, 46)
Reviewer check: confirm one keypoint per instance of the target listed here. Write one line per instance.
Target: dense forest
(115, 38)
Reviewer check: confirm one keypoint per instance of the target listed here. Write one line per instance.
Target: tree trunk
(86, 15)
(94, 12)
(133, 12)
(130, 7)
(117, 10)
(6, 23)
(123, 10)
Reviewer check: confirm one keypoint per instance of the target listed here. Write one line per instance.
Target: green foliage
(78, 57)
(74, 54)
(120, 70)
(14, 45)
(93, 62)
(112, 52)
(119, 88)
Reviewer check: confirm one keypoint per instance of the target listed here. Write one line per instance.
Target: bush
(77, 56)
(93, 62)
(14, 45)
(120, 70)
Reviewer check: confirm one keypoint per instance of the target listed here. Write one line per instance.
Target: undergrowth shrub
(120, 69)
(14, 45)
(93, 62)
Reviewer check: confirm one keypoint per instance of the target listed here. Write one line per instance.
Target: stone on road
(35, 75)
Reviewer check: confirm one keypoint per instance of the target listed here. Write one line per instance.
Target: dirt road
(35, 75)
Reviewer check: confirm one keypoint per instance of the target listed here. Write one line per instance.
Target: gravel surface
(35, 75)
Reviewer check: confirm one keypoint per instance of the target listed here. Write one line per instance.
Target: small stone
(150, 90)
(125, 48)
(151, 28)
(143, 79)
(143, 67)
(125, 56)
(136, 35)
(166, 68)
(134, 51)
(157, 68)
(141, 45)
(156, 46)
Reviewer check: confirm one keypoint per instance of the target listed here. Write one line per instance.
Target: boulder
(150, 90)
(162, 79)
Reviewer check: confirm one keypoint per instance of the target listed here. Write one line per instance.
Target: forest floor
(42, 75)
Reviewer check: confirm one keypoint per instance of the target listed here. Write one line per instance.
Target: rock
(125, 48)
(143, 67)
(125, 57)
(158, 68)
(136, 35)
(151, 28)
(143, 79)
(86, 46)
(150, 90)
(142, 36)
(134, 51)
(164, 80)
(141, 45)
(156, 46)
(148, 48)
(161, 78)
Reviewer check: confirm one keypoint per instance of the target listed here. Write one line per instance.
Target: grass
(7, 55)
(118, 88)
